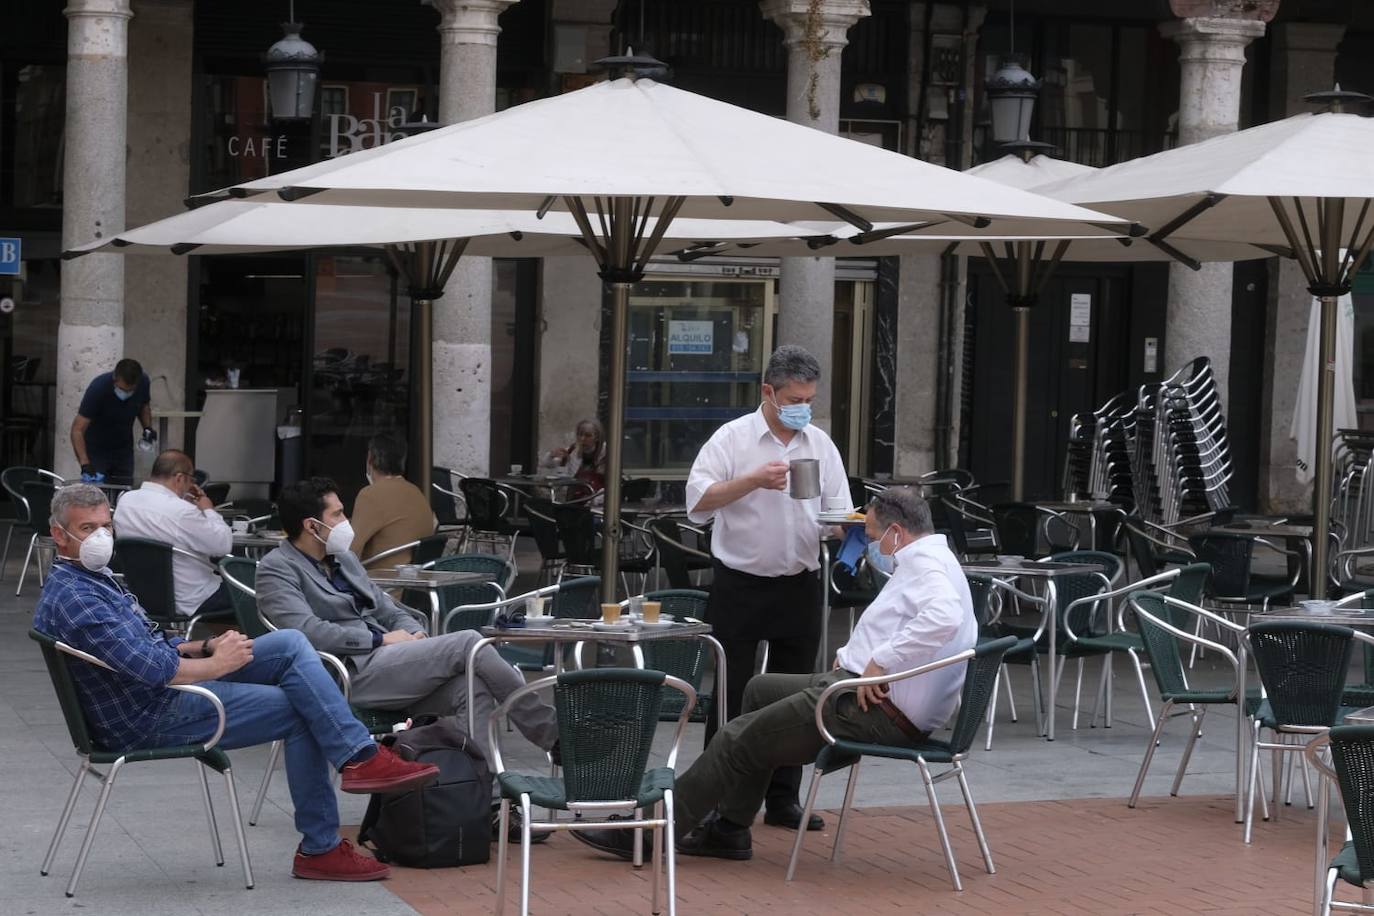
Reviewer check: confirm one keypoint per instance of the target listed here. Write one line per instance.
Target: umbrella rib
(1300, 254)
(665, 217)
(1171, 251)
(579, 212)
(976, 222)
(863, 238)
(1307, 234)
(1049, 268)
(991, 257)
(641, 223)
(1354, 237)
(848, 215)
(455, 253)
(1187, 216)
(1364, 252)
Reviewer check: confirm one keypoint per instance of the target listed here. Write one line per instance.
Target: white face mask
(367, 472)
(339, 540)
(96, 549)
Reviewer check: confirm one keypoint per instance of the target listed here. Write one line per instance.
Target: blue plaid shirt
(93, 612)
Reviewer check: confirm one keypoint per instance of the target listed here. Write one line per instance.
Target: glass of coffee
(651, 611)
(610, 613)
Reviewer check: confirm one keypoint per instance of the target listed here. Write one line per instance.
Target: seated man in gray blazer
(314, 584)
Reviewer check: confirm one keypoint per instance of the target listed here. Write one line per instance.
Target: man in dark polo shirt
(102, 433)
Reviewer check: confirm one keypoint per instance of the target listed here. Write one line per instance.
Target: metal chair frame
(1326, 873)
(593, 815)
(956, 770)
(107, 781)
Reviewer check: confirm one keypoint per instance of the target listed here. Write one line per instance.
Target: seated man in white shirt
(169, 507)
(923, 614)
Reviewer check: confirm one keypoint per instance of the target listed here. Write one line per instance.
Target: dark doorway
(1079, 350)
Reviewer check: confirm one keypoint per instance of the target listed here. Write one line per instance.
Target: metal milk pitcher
(804, 478)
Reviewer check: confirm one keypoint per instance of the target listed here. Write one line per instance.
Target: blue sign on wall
(10, 251)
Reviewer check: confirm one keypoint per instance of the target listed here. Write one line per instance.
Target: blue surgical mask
(793, 416)
(885, 563)
(122, 394)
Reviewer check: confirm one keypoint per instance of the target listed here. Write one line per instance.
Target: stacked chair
(1098, 462)
(1182, 461)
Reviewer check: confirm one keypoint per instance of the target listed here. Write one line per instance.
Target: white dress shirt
(155, 512)
(923, 614)
(766, 532)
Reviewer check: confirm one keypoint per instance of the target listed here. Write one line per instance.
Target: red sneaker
(342, 863)
(385, 772)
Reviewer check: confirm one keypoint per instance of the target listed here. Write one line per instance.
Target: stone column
(90, 335)
(158, 173)
(1303, 57)
(462, 318)
(1212, 57)
(814, 33)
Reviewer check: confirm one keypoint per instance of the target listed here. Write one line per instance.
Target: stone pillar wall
(1212, 57)
(569, 338)
(158, 173)
(814, 34)
(1303, 60)
(462, 318)
(90, 335)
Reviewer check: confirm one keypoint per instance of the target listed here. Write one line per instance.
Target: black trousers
(785, 611)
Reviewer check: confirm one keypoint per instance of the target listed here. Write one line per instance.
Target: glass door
(696, 354)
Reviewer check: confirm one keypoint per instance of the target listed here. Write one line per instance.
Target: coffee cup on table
(651, 611)
(610, 613)
(534, 606)
(517, 469)
(239, 525)
(408, 570)
(834, 504)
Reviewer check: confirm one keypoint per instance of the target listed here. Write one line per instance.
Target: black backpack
(445, 824)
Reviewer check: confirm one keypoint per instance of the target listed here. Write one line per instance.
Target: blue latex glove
(96, 477)
(854, 545)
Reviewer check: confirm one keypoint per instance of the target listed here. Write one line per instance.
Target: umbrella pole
(1321, 488)
(615, 439)
(421, 392)
(1021, 380)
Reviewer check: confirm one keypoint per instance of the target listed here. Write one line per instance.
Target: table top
(1261, 529)
(259, 539)
(426, 578)
(1361, 716)
(642, 508)
(536, 480)
(585, 629)
(1339, 616)
(1029, 568)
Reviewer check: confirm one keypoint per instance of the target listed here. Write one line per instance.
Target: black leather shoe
(713, 840)
(537, 835)
(789, 816)
(616, 842)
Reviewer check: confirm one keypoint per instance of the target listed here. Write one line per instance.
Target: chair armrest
(495, 606)
(340, 671)
(1086, 599)
(1195, 640)
(184, 688)
(1203, 612)
(206, 561)
(390, 553)
(1157, 579)
(856, 682)
(420, 616)
(1003, 585)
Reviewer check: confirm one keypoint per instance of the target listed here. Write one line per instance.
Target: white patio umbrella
(423, 245)
(618, 153)
(1300, 188)
(1343, 414)
(1021, 266)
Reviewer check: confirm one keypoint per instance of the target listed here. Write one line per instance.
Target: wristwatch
(207, 650)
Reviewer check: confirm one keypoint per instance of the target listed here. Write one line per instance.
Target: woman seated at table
(585, 459)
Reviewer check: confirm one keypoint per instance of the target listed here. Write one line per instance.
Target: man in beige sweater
(390, 510)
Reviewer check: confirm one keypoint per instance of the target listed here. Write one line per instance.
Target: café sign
(347, 134)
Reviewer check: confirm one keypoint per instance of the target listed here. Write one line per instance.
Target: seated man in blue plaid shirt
(272, 688)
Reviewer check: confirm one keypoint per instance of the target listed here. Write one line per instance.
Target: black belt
(900, 720)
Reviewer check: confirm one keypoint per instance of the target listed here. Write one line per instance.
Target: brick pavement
(1084, 856)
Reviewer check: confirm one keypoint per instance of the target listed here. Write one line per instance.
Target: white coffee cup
(239, 525)
(534, 606)
(517, 469)
(834, 504)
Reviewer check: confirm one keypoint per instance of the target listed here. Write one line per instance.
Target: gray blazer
(293, 592)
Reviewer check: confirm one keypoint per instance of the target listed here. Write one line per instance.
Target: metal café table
(1022, 568)
(1262, 528)
(634, 635)
(1086, 507)
(258, 541)
(427, 580)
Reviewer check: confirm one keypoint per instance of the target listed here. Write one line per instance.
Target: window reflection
(39, 115)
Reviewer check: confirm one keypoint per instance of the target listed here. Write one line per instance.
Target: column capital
(471, 22)
(118, 9)
(819, 25)
(1215, 39)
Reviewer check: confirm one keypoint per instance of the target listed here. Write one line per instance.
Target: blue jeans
(284, 693)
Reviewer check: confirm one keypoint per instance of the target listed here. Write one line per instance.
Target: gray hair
(901, 506)
(74, 496)
(791, 363)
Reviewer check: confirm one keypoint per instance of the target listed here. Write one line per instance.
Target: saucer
(619, 625)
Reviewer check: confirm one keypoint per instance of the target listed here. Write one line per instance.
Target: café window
(697, 350)
(31, 143)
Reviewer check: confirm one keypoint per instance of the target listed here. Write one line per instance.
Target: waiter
(765, 544)
(102, 433)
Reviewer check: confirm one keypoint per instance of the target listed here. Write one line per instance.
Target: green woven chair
(501, 570)
(606, 723)
(1352, 756)
(1184, 583)
(983, 663)
(981, 590)
(92, 756)
(1165, 625)
(1302, 666)
(687, 658)
(1362, 694)
(241, 575)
